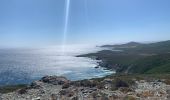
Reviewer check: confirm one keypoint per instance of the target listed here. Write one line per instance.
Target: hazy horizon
(41, 23)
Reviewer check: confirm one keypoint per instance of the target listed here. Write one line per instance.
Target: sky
(25, 23)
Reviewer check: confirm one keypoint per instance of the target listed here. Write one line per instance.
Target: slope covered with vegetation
(136, 57)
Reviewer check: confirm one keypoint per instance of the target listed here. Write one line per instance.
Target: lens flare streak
(66, 24)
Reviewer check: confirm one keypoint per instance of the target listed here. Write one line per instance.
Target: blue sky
(41, 22)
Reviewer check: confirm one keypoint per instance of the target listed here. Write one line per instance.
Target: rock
(65, 85)
(107, 80)
(120, 83)
(36, 84)
(55, 80)
(104, 98)
(75, 98)
(59, 88)
(70, 94)
(168, 93)
(22, 91)
(97, 58)
(63, 92)
(126, 90)
(42, 91)
(38, 98)
(1, 96)
(54, 97)
(114, 96)
(96, 67)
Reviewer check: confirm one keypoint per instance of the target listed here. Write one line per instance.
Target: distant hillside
(136, 57)
(130, 44)
(159, 47)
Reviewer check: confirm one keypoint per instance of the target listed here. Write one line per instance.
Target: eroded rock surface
(59, 88)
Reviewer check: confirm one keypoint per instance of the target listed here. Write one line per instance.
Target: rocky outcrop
(59, 88)
(55, 80)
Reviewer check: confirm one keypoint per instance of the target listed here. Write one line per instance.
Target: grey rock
(55, 80)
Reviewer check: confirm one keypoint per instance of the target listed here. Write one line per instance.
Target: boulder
(22, 91)
(96, 67)
(66, 85)
(36, 84)
(55, 80)
(75, 98)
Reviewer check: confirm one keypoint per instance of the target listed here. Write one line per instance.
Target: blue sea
(24, 65)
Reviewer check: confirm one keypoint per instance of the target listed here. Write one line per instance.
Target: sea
(24, 65)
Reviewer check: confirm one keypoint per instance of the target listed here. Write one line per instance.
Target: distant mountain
(130, 44)
(158, 47)
(136, 57)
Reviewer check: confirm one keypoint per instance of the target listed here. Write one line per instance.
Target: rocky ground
(59, 88)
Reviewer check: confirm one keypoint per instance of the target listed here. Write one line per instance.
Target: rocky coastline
(140, 75)
(121, 87)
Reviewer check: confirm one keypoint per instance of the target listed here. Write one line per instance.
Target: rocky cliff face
(59, 88)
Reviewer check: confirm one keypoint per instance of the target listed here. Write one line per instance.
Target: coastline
(14, 87)
(24, 66)
(126, 84)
